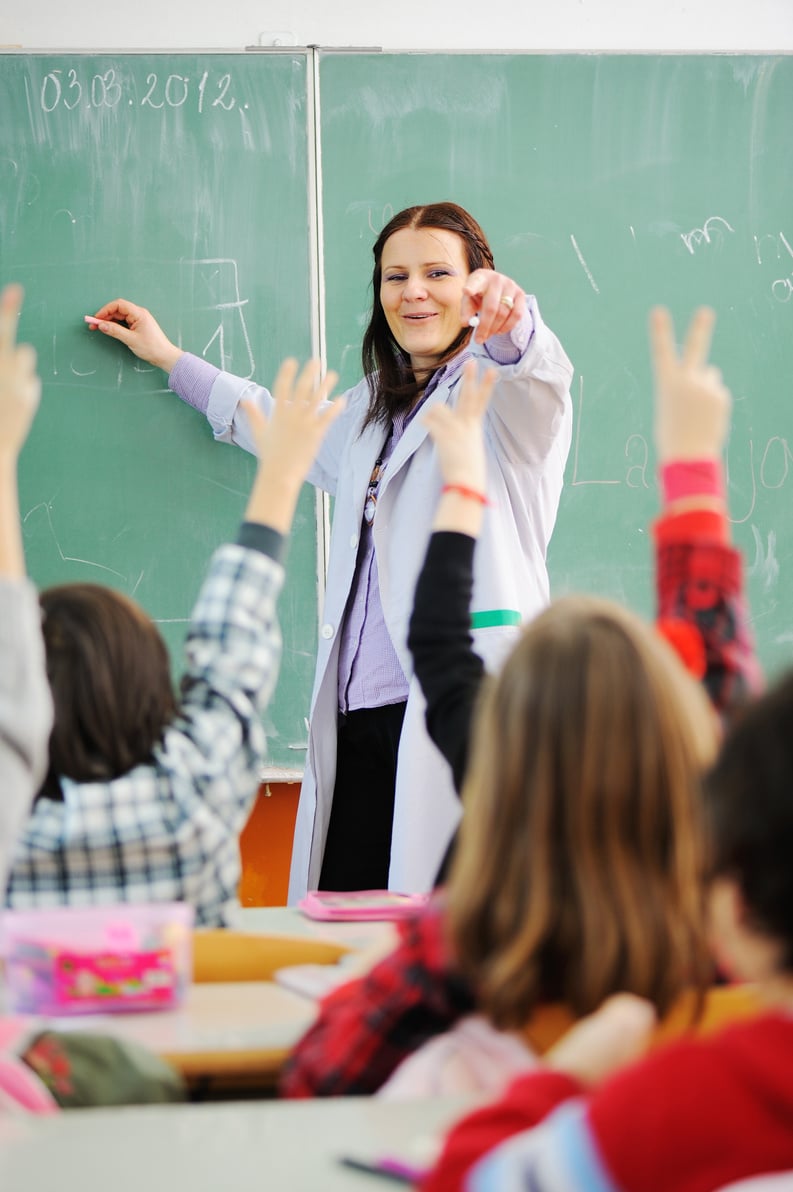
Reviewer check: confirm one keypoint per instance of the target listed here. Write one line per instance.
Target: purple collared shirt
(370, 674)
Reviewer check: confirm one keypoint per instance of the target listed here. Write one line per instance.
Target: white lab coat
(528, 431)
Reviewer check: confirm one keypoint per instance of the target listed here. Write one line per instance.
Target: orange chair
(222, 955)
(723, 1004)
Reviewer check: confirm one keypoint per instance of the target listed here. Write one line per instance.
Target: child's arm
(20, 389)
(699, 575)
(25, 701)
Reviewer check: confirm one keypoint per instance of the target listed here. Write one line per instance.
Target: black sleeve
(440, 640)
(256, 536)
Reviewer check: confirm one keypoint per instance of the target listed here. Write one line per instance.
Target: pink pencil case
(355, 906)
(89, 960)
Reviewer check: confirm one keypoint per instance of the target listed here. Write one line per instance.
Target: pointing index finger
(10, 306)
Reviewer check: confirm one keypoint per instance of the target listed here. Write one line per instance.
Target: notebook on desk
(360, 905)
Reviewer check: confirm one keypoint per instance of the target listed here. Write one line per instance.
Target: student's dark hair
(392, 385)
(749, 803)
(109, 673)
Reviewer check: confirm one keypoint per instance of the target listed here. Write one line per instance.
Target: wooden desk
(236, 1033)
(245, 1147)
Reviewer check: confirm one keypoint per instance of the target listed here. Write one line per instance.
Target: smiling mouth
(418, 318)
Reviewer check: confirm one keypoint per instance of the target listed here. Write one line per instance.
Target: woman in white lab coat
(377, 803)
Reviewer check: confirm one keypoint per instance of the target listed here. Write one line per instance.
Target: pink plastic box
(93, 960)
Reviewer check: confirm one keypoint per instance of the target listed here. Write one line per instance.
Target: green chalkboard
(181, 182)
(606, 184)
(185, 181)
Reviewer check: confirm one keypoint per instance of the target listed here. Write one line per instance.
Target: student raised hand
(20, 386)
(458, 436)
(20, 391)
(692, 403)
(288, 441)
(138, 329)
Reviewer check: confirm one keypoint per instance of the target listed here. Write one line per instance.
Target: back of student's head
(578, 869)
(110, 677)
(749, 803)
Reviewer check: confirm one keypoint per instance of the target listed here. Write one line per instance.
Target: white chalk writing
(703, 235)
(68, 90)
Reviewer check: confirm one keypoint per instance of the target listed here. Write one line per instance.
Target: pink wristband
(683, 478)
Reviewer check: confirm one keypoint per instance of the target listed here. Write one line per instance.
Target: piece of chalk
(91, 319)
(473, 321)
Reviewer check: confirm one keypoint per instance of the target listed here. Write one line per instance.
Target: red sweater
(691, 1117)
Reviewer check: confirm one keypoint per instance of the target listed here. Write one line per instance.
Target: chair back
(223, 955)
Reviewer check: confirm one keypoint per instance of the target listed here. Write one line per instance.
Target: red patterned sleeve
(701, 606)
(366, 1027)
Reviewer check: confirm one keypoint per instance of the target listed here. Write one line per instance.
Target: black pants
(358, 848)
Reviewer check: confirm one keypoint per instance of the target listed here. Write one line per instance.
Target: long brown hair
(110, 677)
(579, 865)
(392, 385)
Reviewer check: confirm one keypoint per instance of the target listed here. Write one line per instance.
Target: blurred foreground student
(582, 823)
(699, 1114)
(25, 702)
(146, 795)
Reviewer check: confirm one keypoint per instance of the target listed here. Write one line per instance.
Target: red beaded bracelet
(472, 493)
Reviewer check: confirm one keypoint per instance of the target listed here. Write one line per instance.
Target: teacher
(377, 804)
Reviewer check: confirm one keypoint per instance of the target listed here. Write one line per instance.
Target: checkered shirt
(169, 830)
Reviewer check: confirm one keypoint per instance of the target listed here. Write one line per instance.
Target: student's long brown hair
(578, 871)
(109, 673)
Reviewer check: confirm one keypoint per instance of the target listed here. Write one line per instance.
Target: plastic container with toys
(97, 959)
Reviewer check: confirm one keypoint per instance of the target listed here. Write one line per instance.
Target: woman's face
(424, 271)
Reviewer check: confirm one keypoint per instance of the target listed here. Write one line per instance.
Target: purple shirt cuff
(508, 349)
(192, 378)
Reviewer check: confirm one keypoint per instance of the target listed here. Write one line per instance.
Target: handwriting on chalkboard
(711, 235)
(47, 507)
(716, 225)
(782, 288)
(768, 469)
(214, 324)
(704, 234)
(66, 89)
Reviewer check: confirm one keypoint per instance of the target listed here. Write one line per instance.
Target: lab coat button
(327, 631)
(354, 541)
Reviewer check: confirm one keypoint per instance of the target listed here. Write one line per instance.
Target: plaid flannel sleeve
(700, 583)
(168, 830)
(365, 1028)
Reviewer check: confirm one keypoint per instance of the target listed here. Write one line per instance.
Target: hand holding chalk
(138, 329)
(494, 300)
